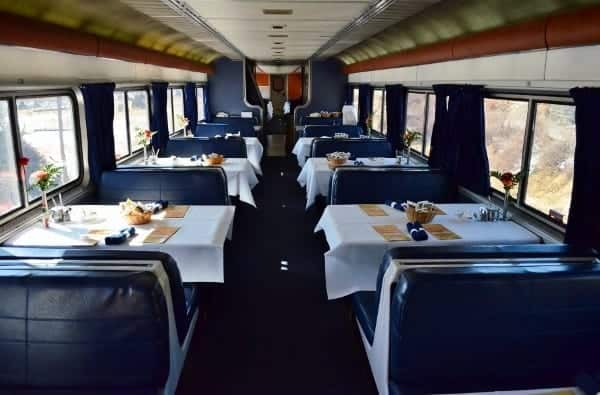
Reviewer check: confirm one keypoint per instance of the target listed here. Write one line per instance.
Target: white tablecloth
(356, 249)
(316, 173)
(255, 152)
(302, 149)
(240, 174)
(197, 247)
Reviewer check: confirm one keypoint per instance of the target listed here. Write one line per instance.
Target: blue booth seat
(230, 147)
(322, 121)
(358, 185)
(330, 131)
(358, 148)
(196, 186)
(499, 318)
(210, 129)
(245, 126)
(93, 322)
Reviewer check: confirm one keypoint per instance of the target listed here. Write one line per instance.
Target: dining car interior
(392, 197)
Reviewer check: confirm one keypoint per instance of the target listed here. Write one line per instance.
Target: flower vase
(45, 210)
(506, 203)
(145, 154)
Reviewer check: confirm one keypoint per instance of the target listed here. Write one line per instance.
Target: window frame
(379, 131)
(427, 92)
(172, 109)
(125, 90)
(11, 97)
(198, 87)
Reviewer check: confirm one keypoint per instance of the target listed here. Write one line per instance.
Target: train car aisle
(270, 328)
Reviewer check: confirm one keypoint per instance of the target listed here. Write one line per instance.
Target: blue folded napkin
(416, 231)
(194, 158)
(394, 204)
(121, 237)
(358, 163)
(157, 206)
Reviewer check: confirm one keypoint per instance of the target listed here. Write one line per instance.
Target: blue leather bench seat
(231, 147)
(210, 129)
(322, 121)
(245, 126)
(330, 131)
(91, 323)
(514, 325)
(358, 185)
(358, 148)
(196, 186)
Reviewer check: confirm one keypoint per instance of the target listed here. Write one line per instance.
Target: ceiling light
(274, 11)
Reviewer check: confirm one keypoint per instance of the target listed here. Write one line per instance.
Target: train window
(550, 179)
(415, 116)
(10, 196)
(384, 115)
(170, 111)
(177, 109)
(430, 122)
(47, 133)
(505, 125)
(200, 97)
(355, 99)
(138, 110)
(376, 110)
(120, 126)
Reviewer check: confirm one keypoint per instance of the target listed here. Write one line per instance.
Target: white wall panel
(558, 69)
(27, 66)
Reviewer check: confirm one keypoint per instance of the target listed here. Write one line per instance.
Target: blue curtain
(365, 104)
(99, 106)
(460, 136)
(349, 95)
(395, 108)
(207, 114)
(158, 121)
(583, 227)
(190, 104)
(438, 134)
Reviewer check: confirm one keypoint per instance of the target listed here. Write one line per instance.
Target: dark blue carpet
(269, 331)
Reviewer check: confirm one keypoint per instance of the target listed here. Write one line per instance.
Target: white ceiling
(311, 24)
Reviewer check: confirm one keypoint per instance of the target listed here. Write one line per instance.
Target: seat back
(330, 131)
(245, 126)
(196, 186)
(230, 147)
(358, 185)
(358, 148)
(210, 129)
(322, 121)
(87, 320)
(505, 323)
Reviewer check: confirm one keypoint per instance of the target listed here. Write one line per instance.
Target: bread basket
(138, 218)
(423, 216)
(213, 159)
(336, 159)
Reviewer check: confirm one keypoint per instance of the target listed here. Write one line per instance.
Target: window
(355, 99)
(174, 109)
(138, 111)
(415, 116)
(10, 189)
(120, 126)
(551, 166)
(505, 125)
(47, 133)
(200, 98)
(132, 112)
(376, 111)
(430, 122)
(384, 115)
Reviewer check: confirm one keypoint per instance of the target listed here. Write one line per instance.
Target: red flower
(507, 179)
(24, 161)
(39, 176)
(147, 134)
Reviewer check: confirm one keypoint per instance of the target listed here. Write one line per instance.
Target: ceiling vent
(278, 35)
(278, 27)
(274, 11)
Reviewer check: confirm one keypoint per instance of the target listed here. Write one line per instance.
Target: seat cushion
(365, 309)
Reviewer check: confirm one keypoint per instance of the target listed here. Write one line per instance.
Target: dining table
(316, 173)
(194, 236)
(255, 152)
(358, 236)
(241, 177)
